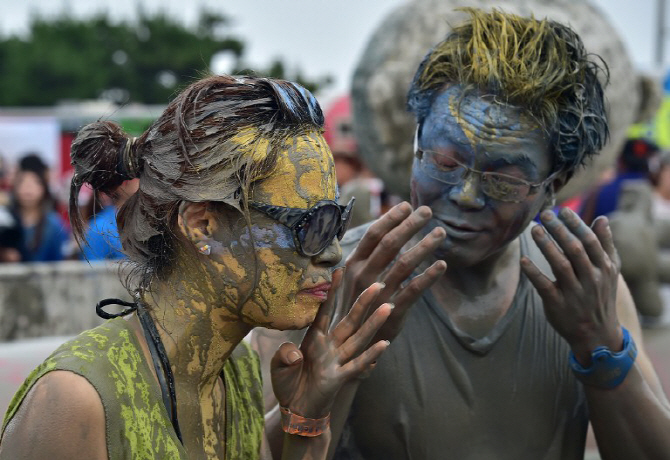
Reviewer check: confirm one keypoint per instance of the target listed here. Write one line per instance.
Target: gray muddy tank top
(438, 393)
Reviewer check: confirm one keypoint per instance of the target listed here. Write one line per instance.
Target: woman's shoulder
(81, 356)
(105, 363)
(244, 363)
(67, 412)
(110, 336)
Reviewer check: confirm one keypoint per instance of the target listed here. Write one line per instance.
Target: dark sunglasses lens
(319, 229)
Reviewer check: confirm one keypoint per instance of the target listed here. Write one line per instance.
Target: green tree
(145, 61)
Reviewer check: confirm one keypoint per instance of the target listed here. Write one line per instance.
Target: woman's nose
(330, 256)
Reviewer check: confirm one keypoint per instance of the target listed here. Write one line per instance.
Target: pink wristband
(297, 424)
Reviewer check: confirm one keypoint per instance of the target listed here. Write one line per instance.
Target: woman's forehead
(303, 176)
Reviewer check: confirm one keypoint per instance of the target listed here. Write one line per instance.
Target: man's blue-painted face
(481, 211)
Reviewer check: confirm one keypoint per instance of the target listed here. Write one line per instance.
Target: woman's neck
(30, 216)
(197, 332)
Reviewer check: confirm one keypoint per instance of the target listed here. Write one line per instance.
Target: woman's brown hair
(191, 153)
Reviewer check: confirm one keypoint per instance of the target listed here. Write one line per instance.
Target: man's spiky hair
(538, 65)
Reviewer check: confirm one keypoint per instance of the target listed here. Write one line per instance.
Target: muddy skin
(212, 302)
(487, 136)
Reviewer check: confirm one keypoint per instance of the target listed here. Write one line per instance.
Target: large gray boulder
(384, 72)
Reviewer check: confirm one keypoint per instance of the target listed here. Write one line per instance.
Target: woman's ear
(197, 222)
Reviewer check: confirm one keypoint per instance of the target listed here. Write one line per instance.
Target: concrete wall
(49, 299)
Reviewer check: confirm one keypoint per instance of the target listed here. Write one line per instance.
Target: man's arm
(633, 419)
(588, 304)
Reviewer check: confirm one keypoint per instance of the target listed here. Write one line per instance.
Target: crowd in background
(34, 225)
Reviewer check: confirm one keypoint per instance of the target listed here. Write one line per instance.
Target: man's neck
(485, 276)
(475, 298)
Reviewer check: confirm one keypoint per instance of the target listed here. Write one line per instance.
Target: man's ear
(554, 187)
(197, 221)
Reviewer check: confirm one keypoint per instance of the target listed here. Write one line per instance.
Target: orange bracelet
(297, 424)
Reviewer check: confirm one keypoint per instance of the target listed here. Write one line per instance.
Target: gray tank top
(438, 393)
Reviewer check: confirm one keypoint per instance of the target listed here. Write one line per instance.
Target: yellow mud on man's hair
(525, 60)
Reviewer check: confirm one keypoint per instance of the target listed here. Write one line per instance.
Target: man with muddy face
(484, 170)
(531, 332)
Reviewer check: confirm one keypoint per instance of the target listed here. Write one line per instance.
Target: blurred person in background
(627, 199)
(4, 182)
(44, 232)
(633, 227)
(661, 216)
(11, 236)
(661, 180)
(353, 177)
(102, 234)
(633, 164)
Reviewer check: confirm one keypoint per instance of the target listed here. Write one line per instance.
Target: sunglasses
(313, 229)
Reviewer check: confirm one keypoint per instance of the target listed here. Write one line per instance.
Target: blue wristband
(607, 369)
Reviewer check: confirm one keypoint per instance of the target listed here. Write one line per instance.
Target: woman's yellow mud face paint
(304, 175)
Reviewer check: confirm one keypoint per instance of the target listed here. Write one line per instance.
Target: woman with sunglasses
(235, 225)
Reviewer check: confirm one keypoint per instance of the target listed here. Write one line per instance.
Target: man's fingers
(560, 264)
(362, 337)
(410, 293)
(572, 234)
(407, 263)
(601, 228)
(545, 286)
(357, 314)
(381, 227)
(390, 245)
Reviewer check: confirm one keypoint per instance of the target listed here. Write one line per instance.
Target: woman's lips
(319, 291)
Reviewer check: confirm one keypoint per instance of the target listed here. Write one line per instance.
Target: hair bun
(97, 155)
(128, 165)
(98, 158)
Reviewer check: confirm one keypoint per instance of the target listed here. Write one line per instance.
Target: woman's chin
(299, 318)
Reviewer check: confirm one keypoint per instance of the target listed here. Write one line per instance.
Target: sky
(321, 37)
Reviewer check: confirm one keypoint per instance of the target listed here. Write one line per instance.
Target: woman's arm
(61, 418)
(378, 257)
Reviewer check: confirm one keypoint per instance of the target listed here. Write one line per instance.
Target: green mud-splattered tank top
(138, 426)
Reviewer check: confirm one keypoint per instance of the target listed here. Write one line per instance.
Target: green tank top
(138, 426)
